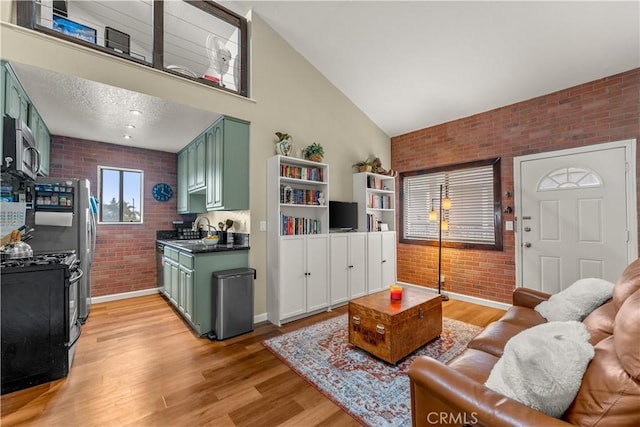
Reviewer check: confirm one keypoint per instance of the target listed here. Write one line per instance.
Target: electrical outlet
(263, 225)
(442, 277)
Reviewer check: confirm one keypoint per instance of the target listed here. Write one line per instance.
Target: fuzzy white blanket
(542, 367)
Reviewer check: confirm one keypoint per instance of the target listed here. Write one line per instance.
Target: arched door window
(570, 177)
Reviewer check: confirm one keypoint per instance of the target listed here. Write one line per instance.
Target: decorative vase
(284, 147)
(315, 157)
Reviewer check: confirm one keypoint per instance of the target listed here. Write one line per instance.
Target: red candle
(396, 292)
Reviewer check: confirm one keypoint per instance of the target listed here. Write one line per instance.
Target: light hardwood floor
(138, 364)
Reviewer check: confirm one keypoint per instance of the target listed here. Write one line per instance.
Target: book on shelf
(375, 182)
(372, 222)
(290, 226)
(298, 196)
(379, 202)
(302, 172)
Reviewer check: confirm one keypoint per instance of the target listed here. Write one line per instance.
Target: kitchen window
(120, 195)
(472, 219)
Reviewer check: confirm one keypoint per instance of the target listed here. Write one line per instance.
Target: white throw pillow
(542, 367)
(577, 301)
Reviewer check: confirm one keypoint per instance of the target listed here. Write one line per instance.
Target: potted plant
(314, 152)
(364, 166)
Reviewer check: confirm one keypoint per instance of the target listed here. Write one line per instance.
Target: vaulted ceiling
(407, 65)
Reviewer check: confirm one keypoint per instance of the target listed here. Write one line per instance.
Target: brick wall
(125, 254)
(601, 111)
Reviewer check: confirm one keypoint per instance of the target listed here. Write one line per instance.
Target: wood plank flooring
(138, 364)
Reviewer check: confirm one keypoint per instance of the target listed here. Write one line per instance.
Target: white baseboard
(124, 295)
(462, 297)
(114, 297)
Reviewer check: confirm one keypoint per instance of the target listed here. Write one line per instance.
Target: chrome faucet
(194, 227)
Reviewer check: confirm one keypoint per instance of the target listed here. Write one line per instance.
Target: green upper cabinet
(43, 139)
(213, 170)
(16, 104)
(197, 164)
(182, 193)
(187, 202)
(228, 165)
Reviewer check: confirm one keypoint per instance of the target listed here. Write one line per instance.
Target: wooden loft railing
(194, 39)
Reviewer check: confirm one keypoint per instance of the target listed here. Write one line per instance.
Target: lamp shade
(444, 225)
(446, 203)
(433, 215)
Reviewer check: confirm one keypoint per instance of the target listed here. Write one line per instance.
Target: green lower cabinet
(188, 284)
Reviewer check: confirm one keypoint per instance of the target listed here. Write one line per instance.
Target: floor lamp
(441, 223)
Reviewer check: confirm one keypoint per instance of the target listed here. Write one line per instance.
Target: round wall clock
(162, 192)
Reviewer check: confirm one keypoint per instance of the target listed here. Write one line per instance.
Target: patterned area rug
(374, 392)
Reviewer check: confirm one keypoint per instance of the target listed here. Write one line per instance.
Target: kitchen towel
(60, 219)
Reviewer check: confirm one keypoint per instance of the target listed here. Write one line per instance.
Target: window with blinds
(474, 217)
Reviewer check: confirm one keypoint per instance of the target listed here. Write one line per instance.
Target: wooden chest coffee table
(392, 330)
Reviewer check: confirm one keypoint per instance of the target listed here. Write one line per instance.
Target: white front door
(576, 215)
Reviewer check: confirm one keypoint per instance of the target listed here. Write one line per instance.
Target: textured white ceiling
(84, 109)
(406, 65)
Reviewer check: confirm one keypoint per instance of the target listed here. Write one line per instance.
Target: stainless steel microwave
(20, 155)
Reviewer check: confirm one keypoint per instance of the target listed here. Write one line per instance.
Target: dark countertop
(197, 247)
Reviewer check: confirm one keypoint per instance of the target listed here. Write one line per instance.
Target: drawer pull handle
(356, 320)
(380, 329)
(420, 314)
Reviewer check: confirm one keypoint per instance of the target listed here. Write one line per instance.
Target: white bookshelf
(297, 238)
(376, 198)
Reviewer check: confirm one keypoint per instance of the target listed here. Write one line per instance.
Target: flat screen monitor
(74, 29)
(343, 216)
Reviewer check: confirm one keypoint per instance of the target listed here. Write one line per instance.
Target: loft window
(194, 39)
(120, 195)
(474, 218)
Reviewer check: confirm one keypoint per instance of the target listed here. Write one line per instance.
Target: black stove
(68, 258)
(39, 318)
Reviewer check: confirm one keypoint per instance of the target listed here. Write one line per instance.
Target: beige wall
(287, 94)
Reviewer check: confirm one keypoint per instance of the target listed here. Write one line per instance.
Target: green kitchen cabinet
(185, 286)
(188, 283)
(43, 139)
(196, 169)
(16, 103)
(227, 165)
(182, 193)
(187, 202)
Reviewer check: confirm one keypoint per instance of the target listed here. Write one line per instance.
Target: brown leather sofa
(454, 394)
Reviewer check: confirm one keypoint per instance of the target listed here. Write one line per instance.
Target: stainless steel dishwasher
(160, 264)
(232, 302)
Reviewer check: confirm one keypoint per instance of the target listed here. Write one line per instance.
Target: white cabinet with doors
(381, 260)
(303, 282)
(348, 271)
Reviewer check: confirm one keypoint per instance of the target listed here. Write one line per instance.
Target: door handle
(527, 229)
(527, 245)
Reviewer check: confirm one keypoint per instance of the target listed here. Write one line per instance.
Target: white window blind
(471, 217)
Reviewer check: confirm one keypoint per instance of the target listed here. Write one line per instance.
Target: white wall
(287, 94)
